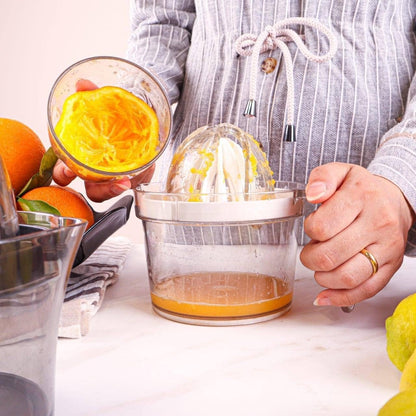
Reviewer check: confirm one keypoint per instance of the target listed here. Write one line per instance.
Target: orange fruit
(67, 201)
(21, 150)
(108, 129)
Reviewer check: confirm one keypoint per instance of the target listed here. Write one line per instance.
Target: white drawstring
(277, 36)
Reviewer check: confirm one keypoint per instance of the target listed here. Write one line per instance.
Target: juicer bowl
(221, 262)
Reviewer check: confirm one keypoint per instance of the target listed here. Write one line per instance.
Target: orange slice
(109, 129)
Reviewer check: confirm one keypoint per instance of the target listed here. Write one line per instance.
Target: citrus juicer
(222, 162)
(221, 235)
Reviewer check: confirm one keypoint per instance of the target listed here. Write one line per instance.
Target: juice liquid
(222, 295)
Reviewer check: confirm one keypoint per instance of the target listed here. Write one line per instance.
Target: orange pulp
(109, 129)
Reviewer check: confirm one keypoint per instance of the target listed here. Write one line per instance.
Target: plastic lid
(258, 206)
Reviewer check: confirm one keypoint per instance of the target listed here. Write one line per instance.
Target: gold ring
(372, 259)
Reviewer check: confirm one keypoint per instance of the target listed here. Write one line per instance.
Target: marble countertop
(310, 361)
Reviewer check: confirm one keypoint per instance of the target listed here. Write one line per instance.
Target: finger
(366, 290)
(339, 251)
(345, 205)
(350, 274)
(85, 85)
(327, 255)
(101, 191)
(352, 219)
(356, 288)
(324, 180)
(143, 177)
(62, 175)
(334, 215)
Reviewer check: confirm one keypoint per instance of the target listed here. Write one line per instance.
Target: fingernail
(315, 190)
(118, 188)
(68, 173)
(322, 302)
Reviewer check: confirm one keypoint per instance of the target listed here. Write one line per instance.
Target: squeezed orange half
(108, 129)
(221, 295)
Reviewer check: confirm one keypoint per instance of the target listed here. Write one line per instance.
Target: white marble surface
(311, 361)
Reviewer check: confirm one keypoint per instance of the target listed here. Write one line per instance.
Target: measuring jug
(34, 268)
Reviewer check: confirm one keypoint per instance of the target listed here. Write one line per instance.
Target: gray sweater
(360, 107)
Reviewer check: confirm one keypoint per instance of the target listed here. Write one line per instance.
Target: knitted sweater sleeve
(396, 158)
(160, 39)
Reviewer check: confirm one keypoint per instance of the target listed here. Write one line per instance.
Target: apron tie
(277, 36)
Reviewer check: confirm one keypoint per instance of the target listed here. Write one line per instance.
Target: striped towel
(87, 285)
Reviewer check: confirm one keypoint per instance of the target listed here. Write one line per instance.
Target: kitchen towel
(87, 285)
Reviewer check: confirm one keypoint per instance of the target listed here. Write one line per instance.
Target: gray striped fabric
(88, 284)
(346, 110)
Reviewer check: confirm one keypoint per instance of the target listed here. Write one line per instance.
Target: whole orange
(67, 201)
(21, 150)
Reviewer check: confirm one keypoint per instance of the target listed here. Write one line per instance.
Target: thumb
(101, 191)
(325, 180)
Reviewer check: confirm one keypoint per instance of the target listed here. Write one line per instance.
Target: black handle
(106, 223)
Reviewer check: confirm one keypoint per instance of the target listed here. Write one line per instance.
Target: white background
(38, 40)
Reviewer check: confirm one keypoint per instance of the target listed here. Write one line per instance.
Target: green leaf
(44, 176)
(37, 206)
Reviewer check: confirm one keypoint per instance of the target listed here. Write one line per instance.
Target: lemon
(401, 332)
(402, 404)
(408, 379)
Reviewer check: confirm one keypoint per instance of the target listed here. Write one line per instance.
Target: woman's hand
(358, 210)
(100, 191)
